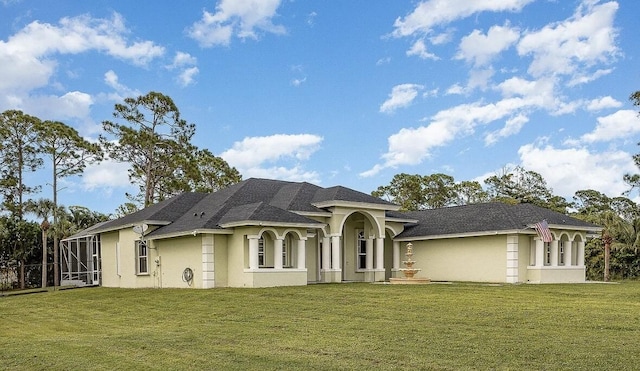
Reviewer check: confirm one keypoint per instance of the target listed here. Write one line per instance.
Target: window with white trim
(261, 256)
(561, 254)
(547, 253)
(286, 252)
(142, 257)
(361, 250)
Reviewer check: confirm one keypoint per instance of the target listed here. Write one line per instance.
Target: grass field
(324, 327)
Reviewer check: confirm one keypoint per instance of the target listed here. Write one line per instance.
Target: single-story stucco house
(261, 233)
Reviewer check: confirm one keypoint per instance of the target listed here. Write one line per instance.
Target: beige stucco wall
(556, 274)
(176, 254)
(311, 261)
(220, 247)
(121, 271)
(477, 259)
(108, 243)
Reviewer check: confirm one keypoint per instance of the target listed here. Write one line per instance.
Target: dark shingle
(165, 211)
(484, 217)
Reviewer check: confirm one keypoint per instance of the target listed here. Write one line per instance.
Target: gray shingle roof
(485, 217)
(265, 200)
(165, 211)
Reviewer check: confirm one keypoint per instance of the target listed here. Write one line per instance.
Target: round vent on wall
(187, 275)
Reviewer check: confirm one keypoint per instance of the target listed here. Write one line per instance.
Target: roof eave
(595, 229)
(194, 232)
(131, 225)
(462, 235)
(402, 220)
(252, 223)
(355, 204)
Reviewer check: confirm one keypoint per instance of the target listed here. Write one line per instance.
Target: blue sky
(338, 92)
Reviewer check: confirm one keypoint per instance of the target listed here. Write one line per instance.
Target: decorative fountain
(409, 271)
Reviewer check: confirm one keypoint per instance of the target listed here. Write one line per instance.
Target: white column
(277, 253)
(379, 253)
(208, 262)
(580, 252)
(554, 253)
(512, 259)
(396, 255)
(539, 252)
(302, 251)
(568, 246)
(326, 253)
(335, 252)
(253, 252)
(369, 260)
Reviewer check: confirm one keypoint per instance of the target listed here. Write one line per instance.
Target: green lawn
(323, 327)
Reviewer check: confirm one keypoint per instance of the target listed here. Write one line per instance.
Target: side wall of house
(119, 260)
(476, 259)
(176, 255)
(109, 260)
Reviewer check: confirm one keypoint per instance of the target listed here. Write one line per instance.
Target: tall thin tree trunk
(22, 274)
(44, 258)
(56, 228)
(607, 259)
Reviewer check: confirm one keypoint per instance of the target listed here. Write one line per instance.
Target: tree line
(146, 132)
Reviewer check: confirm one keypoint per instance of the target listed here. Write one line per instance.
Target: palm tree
(42, 209)
(614, 229)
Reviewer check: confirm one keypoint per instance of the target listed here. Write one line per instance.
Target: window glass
(142, 254)
(361, 245)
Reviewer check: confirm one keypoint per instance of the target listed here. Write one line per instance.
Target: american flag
(543, 231)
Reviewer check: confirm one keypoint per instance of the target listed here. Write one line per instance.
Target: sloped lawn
(325, 327)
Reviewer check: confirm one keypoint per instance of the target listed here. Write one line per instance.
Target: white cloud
(583, 40)
(603, 103)
(383, 61)
(401, 96)
(73, 104)
(512, 126)
(182, 59)
(298, 82)
(253, 156)
(431, 13)
(186, 64)
(311, 18)
(442, 38)
(106, 175)
(28, 58)
(569, 170)
(621, 124)
(121, 91)
(410, 146)
(480, 49)
(242, 18)
(419, 48)
(186, 77)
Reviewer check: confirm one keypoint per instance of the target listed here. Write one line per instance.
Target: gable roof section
(162, 213)
(260, 212)
(486, 218)
(342, 196)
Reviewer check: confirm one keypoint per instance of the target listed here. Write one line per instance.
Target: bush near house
(324, 327)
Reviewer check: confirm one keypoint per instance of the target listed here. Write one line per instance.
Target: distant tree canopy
(419, 192)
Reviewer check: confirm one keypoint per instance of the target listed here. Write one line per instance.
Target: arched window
(142, 257)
